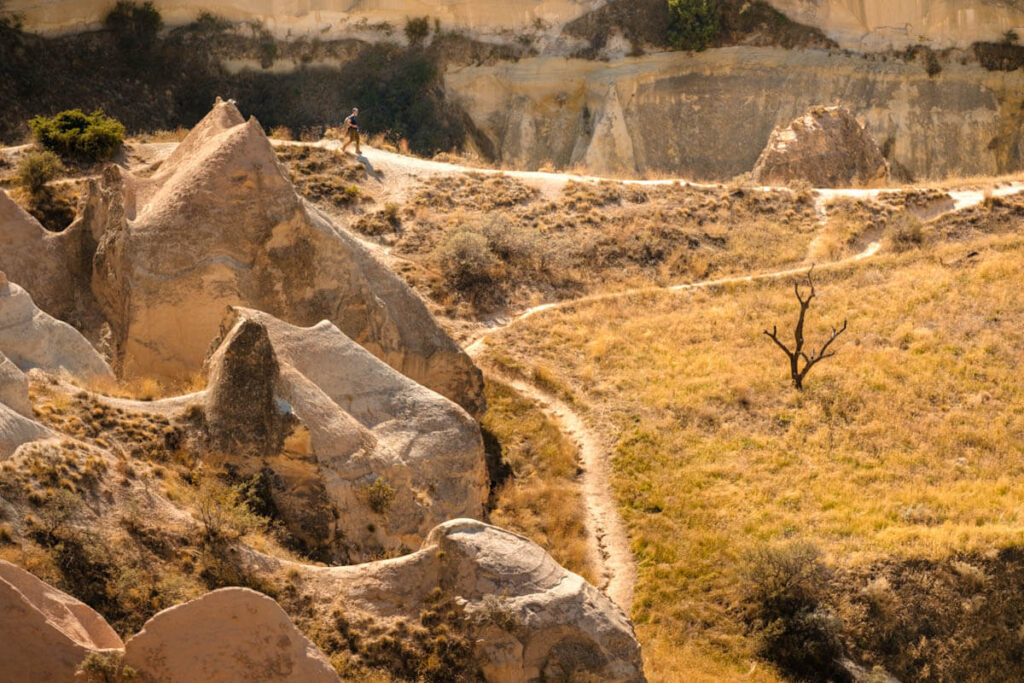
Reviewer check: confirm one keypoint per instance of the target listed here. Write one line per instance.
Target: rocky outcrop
(32, 339)
(14, 387)
(53, 267)
(529, 618)
(16, 429)
(825, 147)
(231, 634)
(220, 224)
(708, 115)
(46, 633)
(343, 438)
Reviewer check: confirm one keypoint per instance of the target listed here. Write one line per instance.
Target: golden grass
(541, 499)
(907, 444)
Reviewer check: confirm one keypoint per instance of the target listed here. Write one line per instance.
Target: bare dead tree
(798, 352)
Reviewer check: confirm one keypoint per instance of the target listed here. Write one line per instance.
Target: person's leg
(358, 149)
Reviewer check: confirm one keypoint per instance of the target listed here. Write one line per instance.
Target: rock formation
(825, 147)
(881, 25)
(32, 339)
(231, 634)
(14, 387)
(53, 267)
(220, 224)
(343, 436)
(530, 618)
(708, 115)
(46, 633)
(328, 18)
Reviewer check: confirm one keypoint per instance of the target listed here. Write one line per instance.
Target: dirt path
(606, 533)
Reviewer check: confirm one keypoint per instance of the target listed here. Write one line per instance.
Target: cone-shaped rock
(825, 147)
(240, 408)
(221, 224)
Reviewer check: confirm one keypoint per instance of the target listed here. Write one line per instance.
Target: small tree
(797, 353)
(416, 30)
(36, 169)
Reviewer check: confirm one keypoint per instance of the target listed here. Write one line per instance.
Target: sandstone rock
(825, 147)
(16, 429)
(240, 408)
(530, 618)
(46, 633)
(14, 387)
(882, 25)
(331, 18)
(708, 115)
(32, 339)
(220, 224)
(53, 267)
(343, 435)
(231, 634)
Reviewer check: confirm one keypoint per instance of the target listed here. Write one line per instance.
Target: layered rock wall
(322, 17)
(709, 115)
(881, 24)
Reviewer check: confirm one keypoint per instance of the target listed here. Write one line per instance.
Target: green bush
(796, 629)
(36, 169)
(381, 496)
(693, 24)
(73, 134)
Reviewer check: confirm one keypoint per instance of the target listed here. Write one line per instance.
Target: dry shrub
(905, 232)
(467, 263)
(796, 629)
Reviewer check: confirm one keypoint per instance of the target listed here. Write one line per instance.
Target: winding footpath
(610, 550)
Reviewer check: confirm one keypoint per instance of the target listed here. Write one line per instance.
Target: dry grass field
(901, 461)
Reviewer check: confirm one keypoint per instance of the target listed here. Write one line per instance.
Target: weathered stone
(231, 634)
(14, 387)
(53, 267)
(825, 147)
(32, 339)
(220, 224)
(530, 618)
(240, 409)
(46, 633)
(361, 441)
(708, 115)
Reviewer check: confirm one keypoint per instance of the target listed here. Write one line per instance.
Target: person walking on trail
(352, 130)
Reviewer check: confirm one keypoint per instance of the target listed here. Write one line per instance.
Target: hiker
(352, 128)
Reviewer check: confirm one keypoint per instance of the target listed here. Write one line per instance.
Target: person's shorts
(353, 135)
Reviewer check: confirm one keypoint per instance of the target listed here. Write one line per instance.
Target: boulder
(14, 387)
(231, 634)
(32, 339)
(825, 147)
(359, 459)
(221, 224)
(46, 633)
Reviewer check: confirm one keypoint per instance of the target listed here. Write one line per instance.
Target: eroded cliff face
(881, 24)
(709, 115)
(330, 17)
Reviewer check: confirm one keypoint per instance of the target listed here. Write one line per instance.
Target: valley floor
(899, 464)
